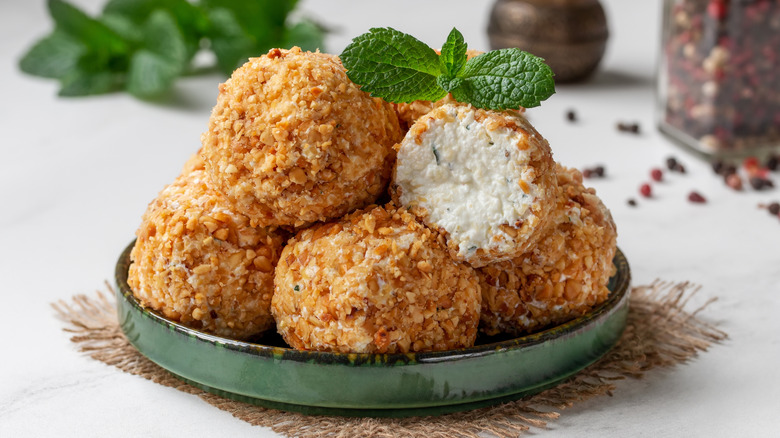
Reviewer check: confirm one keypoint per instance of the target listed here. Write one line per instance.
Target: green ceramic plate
(269, 374)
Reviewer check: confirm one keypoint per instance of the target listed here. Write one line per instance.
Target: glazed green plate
(268, 373)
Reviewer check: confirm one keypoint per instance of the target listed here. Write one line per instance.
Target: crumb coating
(293, 141)
(531, 177)
(376, 281)
(200, 263)
(564, 276)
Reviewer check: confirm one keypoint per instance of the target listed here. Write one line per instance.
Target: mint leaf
(124, 27)
(190, 19)
(453, 54)
(262, 20)
(94, 34)
(85, 83)
(393, 65)
(150, 74)
(230, 43)
(163, 37)
(305, 34)
(506, 78)
(53, 56)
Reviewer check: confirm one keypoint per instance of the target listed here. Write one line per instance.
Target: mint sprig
(393, 65)
(399, 68)
(143, 46)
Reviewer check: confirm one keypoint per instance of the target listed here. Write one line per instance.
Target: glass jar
(719, 77)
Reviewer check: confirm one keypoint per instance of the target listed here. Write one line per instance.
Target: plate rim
(622, 288)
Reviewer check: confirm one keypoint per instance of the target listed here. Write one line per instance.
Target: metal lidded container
(719, 75)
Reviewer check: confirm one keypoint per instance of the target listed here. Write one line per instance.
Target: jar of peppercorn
(719, 76)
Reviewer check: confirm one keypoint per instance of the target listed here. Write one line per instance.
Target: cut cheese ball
(564, 276)
(484, 179)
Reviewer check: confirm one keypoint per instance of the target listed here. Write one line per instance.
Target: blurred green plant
(142, 46)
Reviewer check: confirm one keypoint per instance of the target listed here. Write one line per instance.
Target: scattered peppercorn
(734, 181)
(717, 167)
(774, 208)
(592, 172)
(696, 197)
(656, 174)
(632, 202)
(628, 127)
(587, 173)
(759, 183)
(645, 190)
(571, 115)
(671, 163)
(773, 163)
(750, 162)
(679, 168)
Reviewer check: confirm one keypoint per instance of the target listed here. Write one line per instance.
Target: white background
(76, 175)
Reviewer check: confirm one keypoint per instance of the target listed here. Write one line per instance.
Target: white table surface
(76, 175)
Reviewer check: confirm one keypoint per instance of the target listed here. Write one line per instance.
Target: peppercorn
(729, 169)
(773, 163)
(628, 127)
(759, 183)
(571, 115)
(696, 197)
(734, 181)
(717, 167)
(599, 171)
(774, 208)
(646, 190)
(631, 202)
(656, 174)
(587, 173)
(671, 163)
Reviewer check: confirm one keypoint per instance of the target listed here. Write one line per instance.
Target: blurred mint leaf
(94, 34)
(52, 57)
(263, 20)
(144, 45)
(393, 65)
(505, 79)
(124, 27)
(190, 19)
(230, 43)
(85, 83)
(305, 34)
(150, 74)
(453, 54)
(163, 37)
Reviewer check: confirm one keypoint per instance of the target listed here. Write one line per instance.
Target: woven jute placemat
(661, 332)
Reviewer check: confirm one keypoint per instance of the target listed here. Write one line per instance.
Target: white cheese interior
(468, 178)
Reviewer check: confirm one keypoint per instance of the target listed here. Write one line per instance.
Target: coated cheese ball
(564, 276)
(293, 141)
(375, 282)
(200, 263)
(484, 179)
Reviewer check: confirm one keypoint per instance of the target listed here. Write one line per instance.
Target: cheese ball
(564, 276)
(293, 141)
(377, 281)
(201, 264)
(484, 179)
